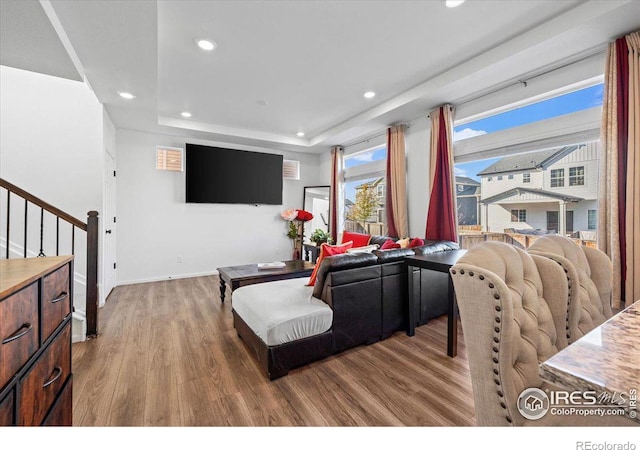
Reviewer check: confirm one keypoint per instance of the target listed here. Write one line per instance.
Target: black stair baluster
(8, 221)
(25, 227)
(57, 236)
(41, 254)
(73, 239)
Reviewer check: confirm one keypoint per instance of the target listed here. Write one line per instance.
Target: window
(511, 177)
(364, 191)
(592, 219)
(526, 178)
(489, 178)
(518, 215)
(499, 177)
(169, 158)
(557, 178)
(576, 176)
(290, 170)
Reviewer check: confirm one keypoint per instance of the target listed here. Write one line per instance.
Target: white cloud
(459, 172)
(367, 156)
(467, 133)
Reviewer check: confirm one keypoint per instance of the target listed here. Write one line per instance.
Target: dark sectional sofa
(368, 294)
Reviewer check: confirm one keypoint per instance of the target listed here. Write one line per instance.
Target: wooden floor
(167, 355)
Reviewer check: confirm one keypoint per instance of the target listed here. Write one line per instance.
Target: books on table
(272, 265)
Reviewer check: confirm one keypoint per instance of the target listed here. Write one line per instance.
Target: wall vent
(290, 170)
(169, 158)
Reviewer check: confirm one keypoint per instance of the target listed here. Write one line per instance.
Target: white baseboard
(166, 278)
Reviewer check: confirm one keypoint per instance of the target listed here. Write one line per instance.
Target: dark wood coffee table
(237, 276)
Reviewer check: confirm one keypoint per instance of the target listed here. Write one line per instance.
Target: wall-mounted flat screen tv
(223, 175)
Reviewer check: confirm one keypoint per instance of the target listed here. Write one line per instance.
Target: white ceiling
(313, 60)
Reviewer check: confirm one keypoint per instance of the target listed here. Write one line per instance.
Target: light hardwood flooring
(168, 355)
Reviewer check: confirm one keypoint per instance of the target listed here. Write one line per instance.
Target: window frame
(595, 219)
(526, 177)
(518, 214)
(577, 177)
(556, 178)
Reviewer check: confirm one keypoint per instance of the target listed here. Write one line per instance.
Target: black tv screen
(223, 175)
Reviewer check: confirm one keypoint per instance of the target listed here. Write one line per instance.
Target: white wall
(155, 225)
(417, 142)
(51, 139)
(51, 132)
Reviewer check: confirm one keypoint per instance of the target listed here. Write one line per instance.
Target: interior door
(109, 227)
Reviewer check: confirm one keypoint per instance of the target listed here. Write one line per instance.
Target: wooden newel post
(92, 274)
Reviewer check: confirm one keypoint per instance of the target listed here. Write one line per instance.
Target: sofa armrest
(340, 263)
(393, 255)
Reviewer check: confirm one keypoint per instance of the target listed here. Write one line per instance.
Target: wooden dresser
(35, 341)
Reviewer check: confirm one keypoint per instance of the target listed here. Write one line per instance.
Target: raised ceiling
(311, 61)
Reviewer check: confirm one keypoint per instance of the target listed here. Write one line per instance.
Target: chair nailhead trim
(497, 319)
(496, 340)
(498, 308)
(496, 329)
(497, 381)
(453, 271)
(495, 360)
(495, 349)
(496, 296)
(503, 405)
(471, 274)
(461, 271)
(509, 419)
(491, 285)
(500, 394)
(495, 371)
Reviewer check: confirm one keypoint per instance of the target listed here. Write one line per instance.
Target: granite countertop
(605, 360)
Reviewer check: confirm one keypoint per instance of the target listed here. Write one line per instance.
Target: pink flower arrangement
(296, 217)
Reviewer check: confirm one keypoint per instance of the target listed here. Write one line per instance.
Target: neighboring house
(379, 186)
(468, 194)
(554, 190)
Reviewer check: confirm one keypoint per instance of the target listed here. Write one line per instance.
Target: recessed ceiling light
(205, 44)
(126, 95)
(300, 134)
(185, 114)
(369, 94)
(453, 3)
(262, 102)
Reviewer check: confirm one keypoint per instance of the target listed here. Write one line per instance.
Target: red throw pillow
(358, 239)
(416, 242)
(389, 244)
(328, 250)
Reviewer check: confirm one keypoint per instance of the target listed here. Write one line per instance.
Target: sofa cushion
(389, 244)
(431, 246)
(328, 250)
(416, 242)
(367, 249)
(358, 239)
(404, 243)
(393, 255)
(282, 311)
(375, 239)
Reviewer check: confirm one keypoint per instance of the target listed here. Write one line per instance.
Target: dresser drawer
(56, 304)
(61, 413)
(6, 410)
(18, 331)
(41, 385)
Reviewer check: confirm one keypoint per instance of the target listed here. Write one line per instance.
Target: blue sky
(356, 160)
(565, 104)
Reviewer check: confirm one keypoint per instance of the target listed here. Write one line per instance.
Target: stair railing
(90, 228)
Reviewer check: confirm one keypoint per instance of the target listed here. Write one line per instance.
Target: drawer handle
(54, 376)
(24, 329)
(60, 297)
